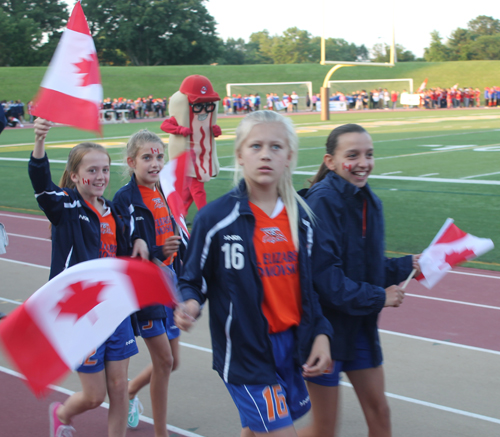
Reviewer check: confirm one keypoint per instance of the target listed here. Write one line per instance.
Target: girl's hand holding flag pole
(451, 246)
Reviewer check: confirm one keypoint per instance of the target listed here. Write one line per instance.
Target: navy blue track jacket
(141, 222)
(221, 266)
(350, 269)
(76, 230)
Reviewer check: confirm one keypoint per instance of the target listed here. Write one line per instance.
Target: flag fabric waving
(71, 315)
(450, 247)
(71, 90)
(421, 88)
(172, 180)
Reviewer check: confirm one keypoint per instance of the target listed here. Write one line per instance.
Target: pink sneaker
(57, 428)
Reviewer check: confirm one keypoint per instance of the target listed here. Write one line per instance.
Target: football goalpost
(325, 89)
(278, 88)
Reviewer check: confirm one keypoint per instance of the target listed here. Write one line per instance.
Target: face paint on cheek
(155, 151)
(347, 167)
(86, 181)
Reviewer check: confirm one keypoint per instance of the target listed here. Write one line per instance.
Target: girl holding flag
(353, 278)
(249, 256)
(148, 212)
(86, 226)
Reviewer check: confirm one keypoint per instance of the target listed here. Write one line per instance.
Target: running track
(462, 309)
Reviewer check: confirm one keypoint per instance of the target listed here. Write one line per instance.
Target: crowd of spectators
(142, 107)
(14, 112)
(382, 98)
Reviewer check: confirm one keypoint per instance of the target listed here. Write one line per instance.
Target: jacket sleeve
(50, 197)
(335, 289)
(192, 283)
(397, 269)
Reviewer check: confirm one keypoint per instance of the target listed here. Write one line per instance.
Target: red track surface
(445, 320)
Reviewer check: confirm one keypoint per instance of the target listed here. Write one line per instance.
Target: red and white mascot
(192, 126)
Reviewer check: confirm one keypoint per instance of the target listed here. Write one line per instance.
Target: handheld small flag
(70, 316)
(421, 88)
(450, 247)
(71, 90)
(172, 180)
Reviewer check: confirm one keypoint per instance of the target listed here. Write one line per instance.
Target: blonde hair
(286, 189)
(135, 142)
(75, 159)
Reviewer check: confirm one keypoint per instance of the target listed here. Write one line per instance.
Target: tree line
(182, 32)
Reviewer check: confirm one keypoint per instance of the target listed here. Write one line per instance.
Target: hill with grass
(162, 81)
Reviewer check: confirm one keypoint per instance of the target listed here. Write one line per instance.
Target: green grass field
(430, 165)
(162, 81)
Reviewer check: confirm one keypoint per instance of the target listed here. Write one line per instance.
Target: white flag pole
(412, 274)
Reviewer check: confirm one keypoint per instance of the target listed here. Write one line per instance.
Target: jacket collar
(346, 189)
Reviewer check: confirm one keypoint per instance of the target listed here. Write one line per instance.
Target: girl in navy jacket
(145, 208)
(353, 278)
(229, 261)
(86, 226)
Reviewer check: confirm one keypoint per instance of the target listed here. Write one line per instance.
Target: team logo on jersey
(272, 235)
(158, 203)
(106, 229)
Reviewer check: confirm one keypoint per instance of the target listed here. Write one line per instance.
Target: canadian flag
(71, 90)
(172, 180)
(75, 312)
(450, 247)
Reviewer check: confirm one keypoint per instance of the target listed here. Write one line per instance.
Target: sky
(365, 22)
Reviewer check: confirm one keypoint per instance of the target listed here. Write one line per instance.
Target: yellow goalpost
(325, 89)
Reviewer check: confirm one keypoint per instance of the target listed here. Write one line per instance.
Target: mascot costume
(192, 126)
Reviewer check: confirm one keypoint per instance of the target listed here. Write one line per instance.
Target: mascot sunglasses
(198, 107)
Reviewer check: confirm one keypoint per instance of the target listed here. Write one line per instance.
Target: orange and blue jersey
(277, 263)
(108, 232)
(221, 265)
(76, 228)
(164, 228)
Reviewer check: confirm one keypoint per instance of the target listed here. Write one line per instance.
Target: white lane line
(103, 405)
(56, 161)
(460, 302)
(480, 175)
(28, 236)
(441, 342)
(38, 219)
(400, 178)
(435, 406)
(428, 174)
(391, 172)
(193, 346)
(15, 302)
(24, 263)
(475, 274)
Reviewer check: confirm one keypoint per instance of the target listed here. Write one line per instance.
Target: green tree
(233, 52)
(260, 47)
(161, 32)
(459, 43)
(337, 49)
(485, 47)
(30, 31)
(292, 47)
(437, 52)
(382, 53)
(484, 25)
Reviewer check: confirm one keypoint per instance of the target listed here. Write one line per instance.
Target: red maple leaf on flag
(90, 69)
(81, 299)
(455, 258)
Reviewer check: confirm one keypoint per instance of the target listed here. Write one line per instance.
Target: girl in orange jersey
(86, 226)
(149, 212)
(249, 256)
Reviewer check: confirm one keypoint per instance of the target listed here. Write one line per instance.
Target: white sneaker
(135, 409)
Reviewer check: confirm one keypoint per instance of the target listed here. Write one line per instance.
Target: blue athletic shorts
(119, 346)
(266, 408)
(363, 360)
(155, 327)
